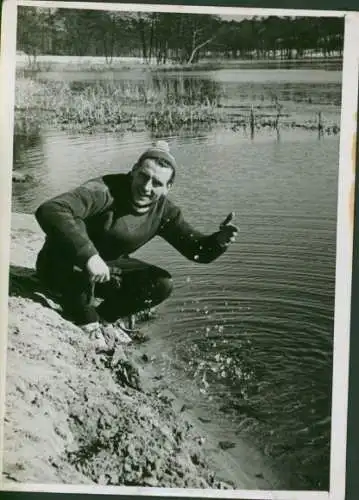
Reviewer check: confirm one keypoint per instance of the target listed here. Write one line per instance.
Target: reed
(110, 105)
(161, 105)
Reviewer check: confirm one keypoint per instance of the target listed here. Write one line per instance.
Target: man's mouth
(142, 198)
(144, 195)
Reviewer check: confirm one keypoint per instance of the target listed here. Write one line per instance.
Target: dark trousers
(139, 286)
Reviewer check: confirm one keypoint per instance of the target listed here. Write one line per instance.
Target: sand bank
(75, 417)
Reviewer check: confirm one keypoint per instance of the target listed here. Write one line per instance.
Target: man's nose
(148, 186)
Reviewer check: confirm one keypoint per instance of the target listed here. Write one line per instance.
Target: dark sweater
(97, 218)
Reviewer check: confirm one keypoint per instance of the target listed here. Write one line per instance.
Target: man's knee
(166, 286)
(163, 284)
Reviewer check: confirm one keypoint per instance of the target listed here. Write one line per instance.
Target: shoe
(133, 333)
(95, 333)
(129, 330)
(146, 315)
(115, 334)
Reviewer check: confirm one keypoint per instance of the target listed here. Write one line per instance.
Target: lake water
(254, 329)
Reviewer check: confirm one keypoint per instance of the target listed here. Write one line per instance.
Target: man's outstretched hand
(227, 231)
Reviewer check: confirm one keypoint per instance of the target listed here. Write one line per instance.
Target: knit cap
(160, 151)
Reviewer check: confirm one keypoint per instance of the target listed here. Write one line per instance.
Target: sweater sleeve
(63, 218)
(191, 243)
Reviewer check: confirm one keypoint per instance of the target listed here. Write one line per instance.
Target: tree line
(181, 38)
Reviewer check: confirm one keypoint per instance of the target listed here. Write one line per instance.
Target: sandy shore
(75, 417)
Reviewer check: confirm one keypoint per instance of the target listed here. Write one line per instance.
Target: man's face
(150, 181)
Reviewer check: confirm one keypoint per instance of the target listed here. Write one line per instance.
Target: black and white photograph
(179, 262)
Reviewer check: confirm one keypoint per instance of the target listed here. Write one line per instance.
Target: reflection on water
(23, 145)
(226, 86)
(254, 329)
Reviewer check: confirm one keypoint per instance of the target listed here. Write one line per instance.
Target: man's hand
(97, 269)
(227, 231)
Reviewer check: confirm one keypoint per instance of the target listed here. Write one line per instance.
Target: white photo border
(344, 251)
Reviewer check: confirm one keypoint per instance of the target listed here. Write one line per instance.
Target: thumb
(227, 220)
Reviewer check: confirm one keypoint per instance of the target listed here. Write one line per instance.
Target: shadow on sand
(23, 282)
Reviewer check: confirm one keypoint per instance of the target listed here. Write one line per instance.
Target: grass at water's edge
(120, 106)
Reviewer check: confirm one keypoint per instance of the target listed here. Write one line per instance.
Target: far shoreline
(47, 63)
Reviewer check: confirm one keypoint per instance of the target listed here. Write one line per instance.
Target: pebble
(151, 481)
(205, 420)
(186, 407)
(226, 445)
(118, 355)
(102, 479)
(20, 177)
(195, 459)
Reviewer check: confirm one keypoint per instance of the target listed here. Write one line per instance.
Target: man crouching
(92, 230)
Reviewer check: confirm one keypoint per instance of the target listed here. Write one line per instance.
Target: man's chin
(141, 208)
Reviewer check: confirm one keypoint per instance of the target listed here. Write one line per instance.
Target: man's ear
(169, 186)
(135, 167)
